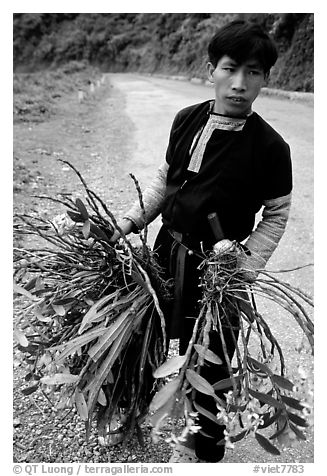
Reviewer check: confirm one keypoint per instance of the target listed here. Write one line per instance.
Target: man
(222, 160)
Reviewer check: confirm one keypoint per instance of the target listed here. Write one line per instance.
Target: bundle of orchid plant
(91, 331)
(258, 397)
(93, 334)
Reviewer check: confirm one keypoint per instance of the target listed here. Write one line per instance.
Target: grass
(36, 94)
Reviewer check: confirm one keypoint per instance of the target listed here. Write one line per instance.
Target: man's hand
(223, 246)
(126, 226)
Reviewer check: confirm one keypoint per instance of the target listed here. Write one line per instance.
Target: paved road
(151, 104)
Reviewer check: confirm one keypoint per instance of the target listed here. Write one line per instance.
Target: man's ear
(210, 70)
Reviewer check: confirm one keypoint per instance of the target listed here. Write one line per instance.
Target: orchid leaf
(59, 309)
(299, 421)
(95, 230)
(59, 379)
(281, 428)
(78, 342)
(164, 394)
(158, 416)
(269, 419)
(31, 284)
(170, 366)
(81, 405)
(103, 370)
(282, 382)
(258, 368)
(266, 399)
(86, 229)
(239, 436)
(40, 316)
(21, 338)
(20, 290)
(205, 412)
(97, 310)
(29, 390)
(137, 277)
(227, 382)
(102, 399)
(292, 402)
(300, 435)
(199, 383)
(82, 209)
(207, 354)
(108, 337)
(265, 443)
(117, 327)
(76, 217)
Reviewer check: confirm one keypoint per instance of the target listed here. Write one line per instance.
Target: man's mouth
(236, 99)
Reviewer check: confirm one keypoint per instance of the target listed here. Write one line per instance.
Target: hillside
(173, 43)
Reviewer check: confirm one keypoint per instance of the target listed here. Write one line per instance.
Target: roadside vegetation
(170, 43)
(36, 95)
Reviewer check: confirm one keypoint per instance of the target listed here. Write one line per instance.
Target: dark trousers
(180, 317)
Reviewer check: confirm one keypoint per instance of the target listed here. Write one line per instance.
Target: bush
(165, 42)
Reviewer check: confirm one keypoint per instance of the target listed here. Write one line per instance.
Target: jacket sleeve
(153, 198)
(264, 239)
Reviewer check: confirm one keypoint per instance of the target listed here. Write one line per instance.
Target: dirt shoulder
(87, 134)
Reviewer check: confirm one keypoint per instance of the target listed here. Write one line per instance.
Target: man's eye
(255, 72)
(229, 69)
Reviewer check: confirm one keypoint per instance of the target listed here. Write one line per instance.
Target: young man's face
(236, 85)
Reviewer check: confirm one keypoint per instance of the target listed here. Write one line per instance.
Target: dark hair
(241, 41)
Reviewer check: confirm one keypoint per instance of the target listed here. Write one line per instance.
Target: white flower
(229, 445)
(194, 428)
(63, 224)
(193, 414)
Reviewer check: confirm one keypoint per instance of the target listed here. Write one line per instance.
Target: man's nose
(239, 81)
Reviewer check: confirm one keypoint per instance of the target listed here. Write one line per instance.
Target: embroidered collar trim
(201, 138)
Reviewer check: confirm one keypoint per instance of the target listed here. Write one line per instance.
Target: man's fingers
(223, 246)
(115, 237)
(125, 226)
